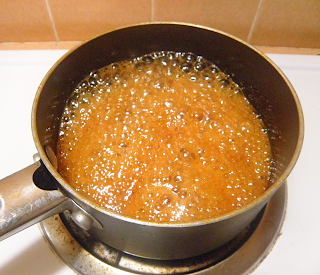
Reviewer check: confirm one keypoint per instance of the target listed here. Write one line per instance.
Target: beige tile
(66, 45)
(63, 45)
(289, 50)
(28, 46)
(234, 17)
(78, 20)
(288, 23)
(24, 20)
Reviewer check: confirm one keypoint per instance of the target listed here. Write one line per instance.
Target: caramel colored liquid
(165, 137)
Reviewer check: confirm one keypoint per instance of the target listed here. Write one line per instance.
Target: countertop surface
(297, 249)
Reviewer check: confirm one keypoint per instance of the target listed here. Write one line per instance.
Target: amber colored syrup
(164, 137)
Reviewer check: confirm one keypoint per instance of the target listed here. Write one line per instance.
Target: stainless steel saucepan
(38, 191)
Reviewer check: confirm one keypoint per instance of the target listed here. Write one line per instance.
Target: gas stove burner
(86, 255)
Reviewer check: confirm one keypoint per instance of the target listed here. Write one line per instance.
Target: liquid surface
(164, 137)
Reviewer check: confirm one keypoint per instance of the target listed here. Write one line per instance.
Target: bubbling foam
(163, 137)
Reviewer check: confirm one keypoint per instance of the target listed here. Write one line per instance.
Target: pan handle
(23, 204)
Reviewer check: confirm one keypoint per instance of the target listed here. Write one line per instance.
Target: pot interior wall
(262, 83)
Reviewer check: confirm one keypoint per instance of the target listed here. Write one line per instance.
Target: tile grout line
(253, 25)
(52, 21)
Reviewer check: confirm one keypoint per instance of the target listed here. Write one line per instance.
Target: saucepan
(38, 191)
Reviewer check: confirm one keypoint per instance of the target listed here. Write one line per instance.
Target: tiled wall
(280, 23)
